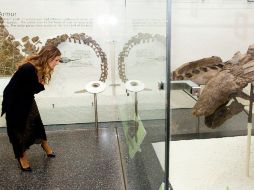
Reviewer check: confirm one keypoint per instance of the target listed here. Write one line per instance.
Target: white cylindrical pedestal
(135, 86)
(95, 87)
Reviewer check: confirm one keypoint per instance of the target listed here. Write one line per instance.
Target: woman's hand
(41, 81)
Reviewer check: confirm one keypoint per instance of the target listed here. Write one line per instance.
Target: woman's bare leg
(46, 147)
(24, 161)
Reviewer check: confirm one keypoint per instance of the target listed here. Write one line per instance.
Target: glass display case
(121, 44)
(155, 73)
(210, 42)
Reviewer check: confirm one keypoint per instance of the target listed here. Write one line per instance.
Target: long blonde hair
(41, 62)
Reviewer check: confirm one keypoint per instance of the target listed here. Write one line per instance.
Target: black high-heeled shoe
(24, 169)
(51, 155)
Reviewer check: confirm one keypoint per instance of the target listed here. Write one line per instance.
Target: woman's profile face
(54, 62)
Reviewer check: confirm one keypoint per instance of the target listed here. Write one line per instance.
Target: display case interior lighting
(107, 20)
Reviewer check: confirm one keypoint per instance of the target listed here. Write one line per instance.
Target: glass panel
(206, 36)
(141, 58)
(119, 45)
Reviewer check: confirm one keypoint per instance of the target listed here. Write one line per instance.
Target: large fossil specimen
(9, 51)
(199, 71)
(222, 87)
(12, 51)
(135, 40)
(30, 47)
(83, 38)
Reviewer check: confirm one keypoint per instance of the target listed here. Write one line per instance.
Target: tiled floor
(85, 160)
(90, 161)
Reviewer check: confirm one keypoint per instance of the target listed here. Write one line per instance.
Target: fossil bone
(9, 52)
(223, 84)
(87, 40)
(135, 40)
(228, 83)
(199, 71)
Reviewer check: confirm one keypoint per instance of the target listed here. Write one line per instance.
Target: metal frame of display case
(168, 93)
(171, 85)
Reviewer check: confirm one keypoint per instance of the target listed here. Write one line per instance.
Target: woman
(24, 124)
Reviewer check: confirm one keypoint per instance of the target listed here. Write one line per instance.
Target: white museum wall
(204, 28)
(111, 25)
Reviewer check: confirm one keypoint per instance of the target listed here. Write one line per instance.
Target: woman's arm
(29, 80)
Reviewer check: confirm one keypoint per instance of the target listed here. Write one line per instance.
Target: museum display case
(112, 72)
(155, 71)
(211, 131)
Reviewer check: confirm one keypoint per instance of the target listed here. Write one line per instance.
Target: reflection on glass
(134, 136)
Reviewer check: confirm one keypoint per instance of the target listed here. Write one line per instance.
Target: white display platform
(208, 164)
(79, 107)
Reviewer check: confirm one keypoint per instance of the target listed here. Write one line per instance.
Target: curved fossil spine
(86, 40)
(135, 40)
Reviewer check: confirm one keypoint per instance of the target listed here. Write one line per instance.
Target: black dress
(24, 124)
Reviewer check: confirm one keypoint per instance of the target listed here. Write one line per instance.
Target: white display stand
(135, 86)
(95, 87)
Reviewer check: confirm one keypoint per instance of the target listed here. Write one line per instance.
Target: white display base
(68, 110)
(208, 164)
(79, 108)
